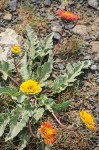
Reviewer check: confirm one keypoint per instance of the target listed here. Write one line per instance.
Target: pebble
(56, 27)
(95, 47)
(47, 2)
(50, 17)
(98, 67)
(93, 67)
(56, 35)
(8, 16)
(13, 5)
(93, 3)
(80, 29)
(33, 1)
(87, 57)
(71, 3)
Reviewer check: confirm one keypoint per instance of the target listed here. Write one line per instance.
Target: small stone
(33, 1)
(80, 29)
(50, 17)
(71, 3)
(56, 35)
(56, 28)
(93, 67)
(95, 47)
(93, 3)
(98, 67)
(68, 27)
(0, 14)
(8, 17)
(97, 81)
(47, 2)
(87, 57)
(13, 5)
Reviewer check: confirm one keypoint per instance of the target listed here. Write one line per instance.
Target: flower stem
(16, 67)
(14, 81)
(61, 125)
(30, 129)
(57, 46)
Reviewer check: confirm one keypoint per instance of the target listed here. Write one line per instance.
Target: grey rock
(93, 3)
(56, 35)
(71, 3)
(13, 5)
(93, 67)
(56, 27)
(33, 1)
(47, 2)
(50, 17)
(80, 29)
(61, 66)
(98, 68)
(97, 81)
(68, 27)
(88, 57)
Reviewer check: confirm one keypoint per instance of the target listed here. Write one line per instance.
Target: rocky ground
(80, 41)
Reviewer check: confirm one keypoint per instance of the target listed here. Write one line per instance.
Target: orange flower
(67, 15)
(87, 120)
(47, 132)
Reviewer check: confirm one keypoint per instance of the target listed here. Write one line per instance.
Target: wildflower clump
(47, 133)
(15, 50)
(87, 120)
(30, 87)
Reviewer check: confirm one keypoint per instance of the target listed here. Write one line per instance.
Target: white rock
(8, 39)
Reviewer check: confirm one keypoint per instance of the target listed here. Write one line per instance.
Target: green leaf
(62, 106)
(46, 45)
(18, 121)
(32, 43)
(24, 68)
(5, 69)
(43, 72)
(47, 102)
(4, 120)
(24, 136)
(9, 91)
(69, 76)
(38, 113)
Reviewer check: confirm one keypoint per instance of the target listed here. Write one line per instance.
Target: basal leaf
(4, 120)
(9, 91)
(43, 72)
(25, 73)
(69, 76)
(62, 106)
(5, 69)
(24, 136)
(38, 113)
(17, 123)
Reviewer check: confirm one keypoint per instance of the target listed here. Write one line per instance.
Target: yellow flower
(47, 132)
(15, 50)
(30, 87)
(87, 120)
